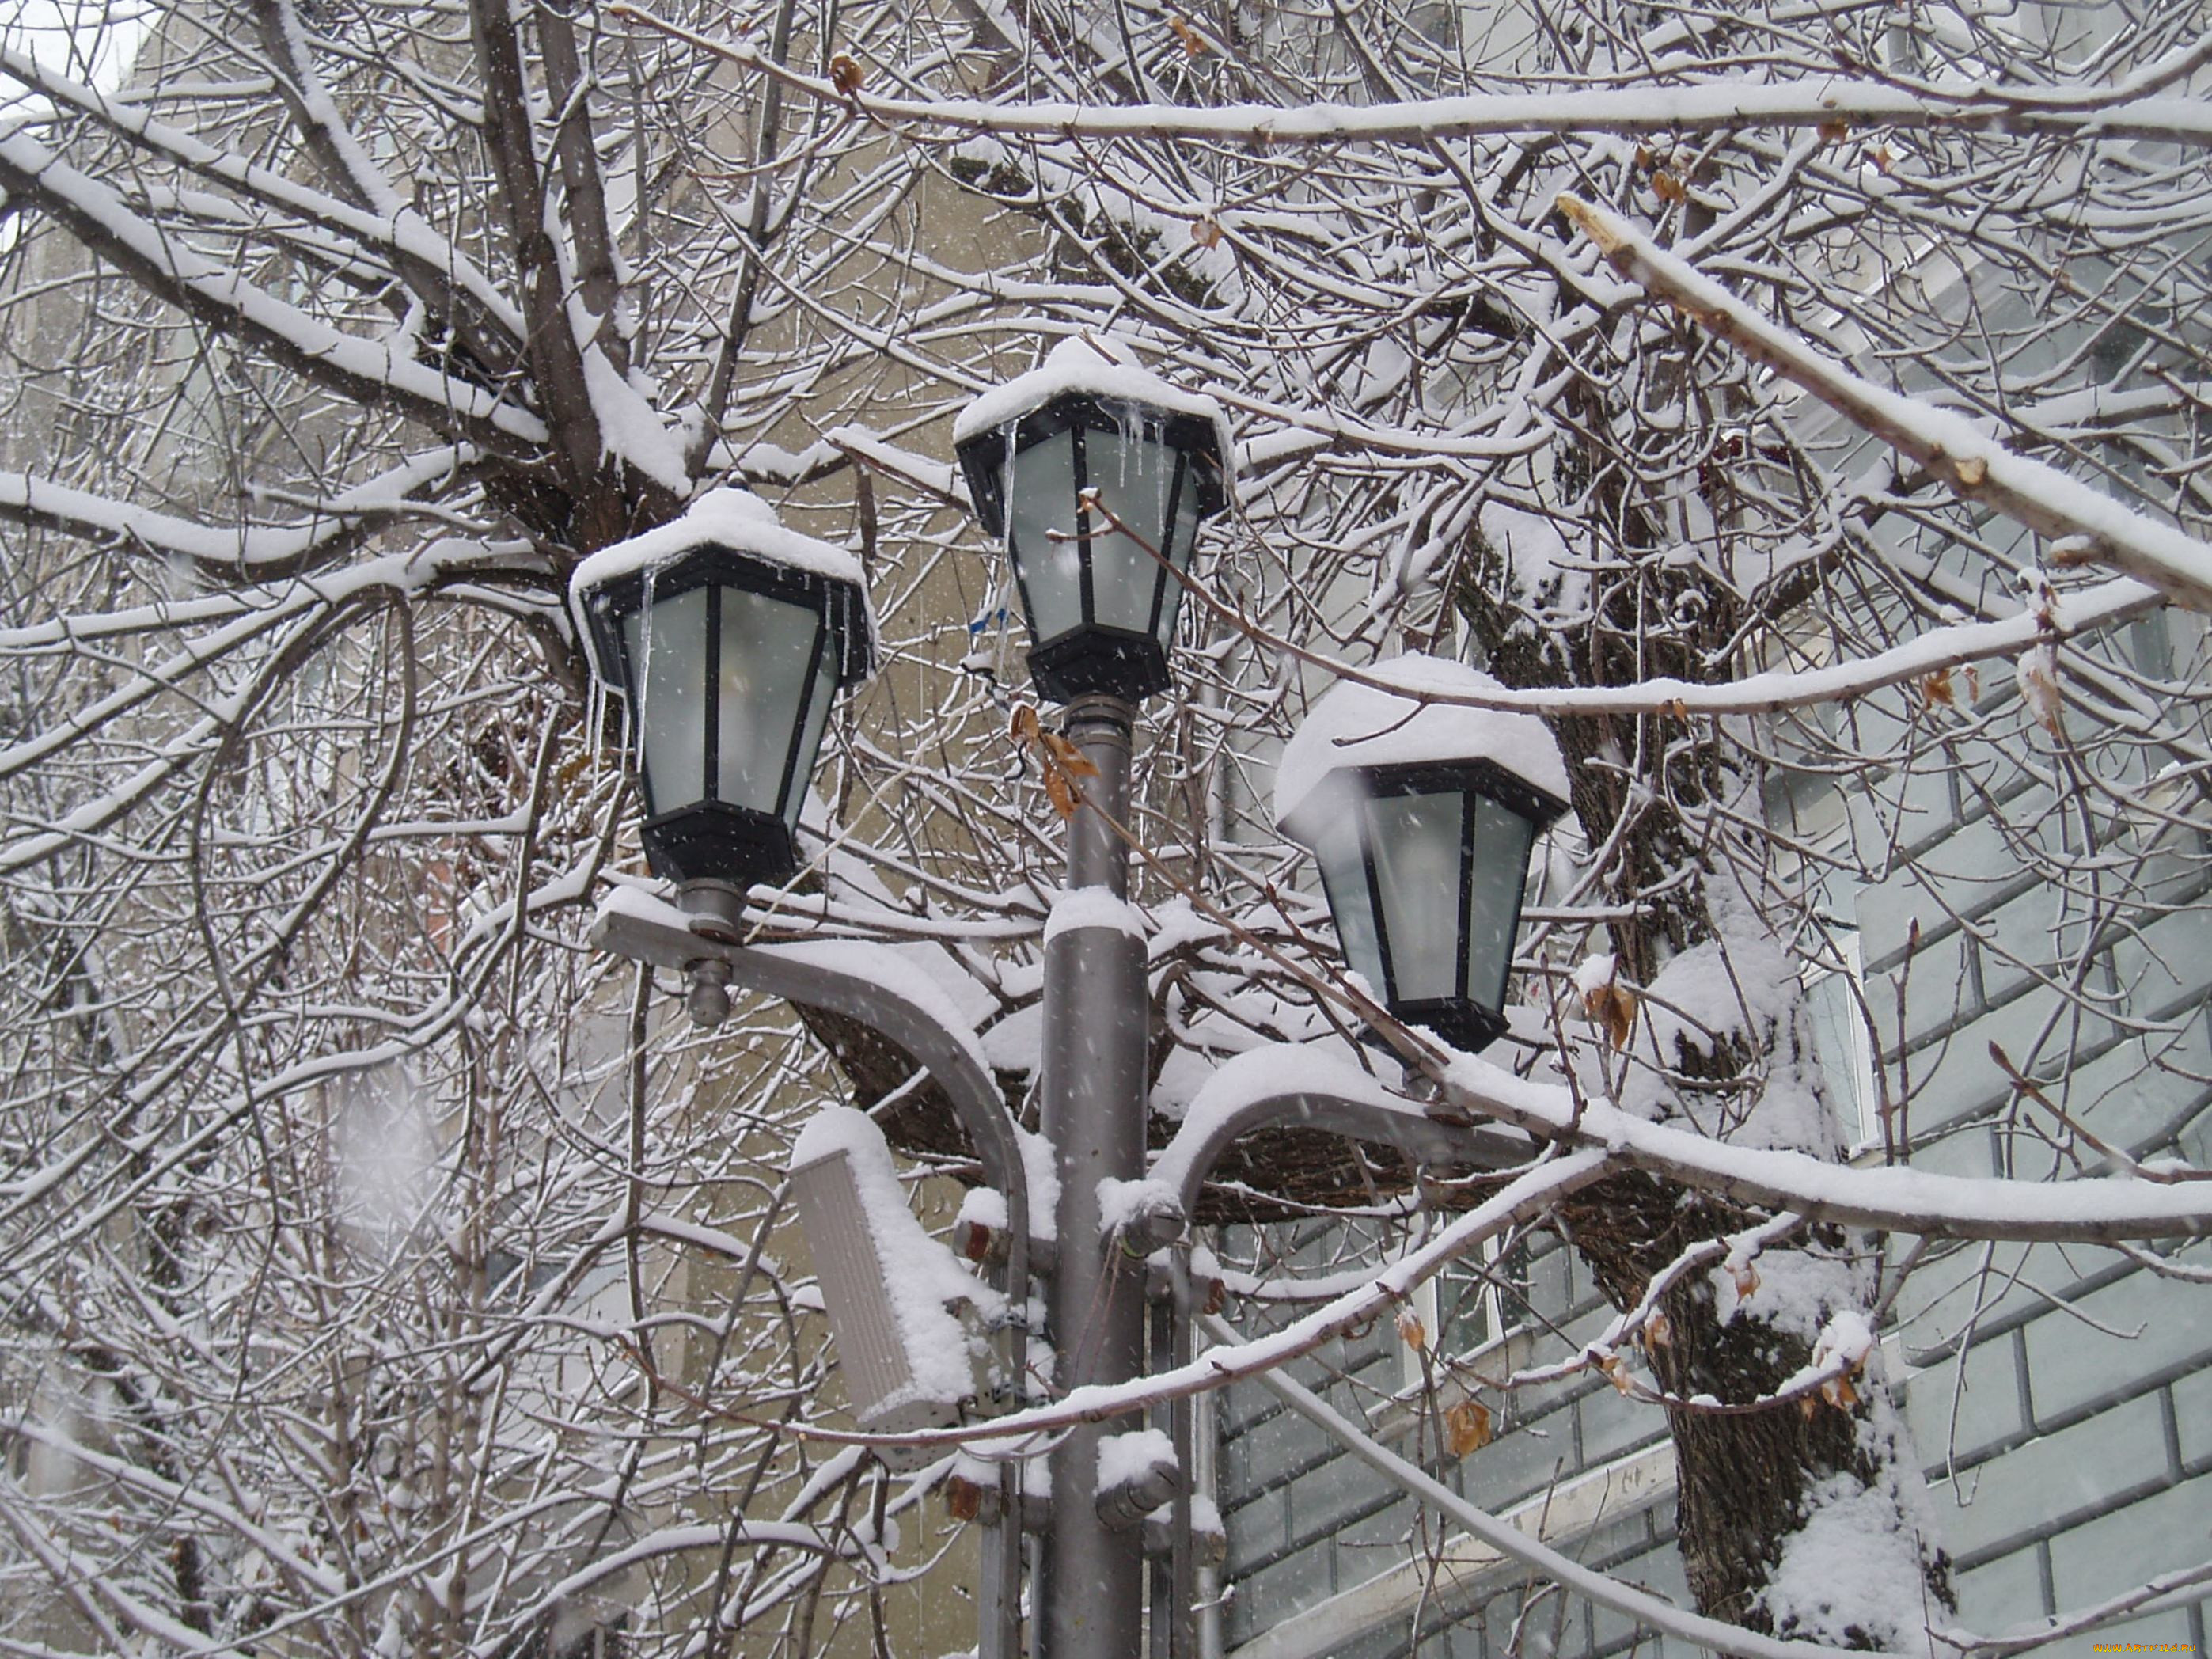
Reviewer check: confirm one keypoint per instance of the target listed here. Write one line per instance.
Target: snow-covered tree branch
(382, 1269)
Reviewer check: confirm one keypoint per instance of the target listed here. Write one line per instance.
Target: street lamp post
(726, 636)
(1098, 475)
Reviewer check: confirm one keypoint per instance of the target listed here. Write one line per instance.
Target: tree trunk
(1746, 1482)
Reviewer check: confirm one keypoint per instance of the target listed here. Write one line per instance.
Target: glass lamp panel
(667, 641)
(1335, 819)
(1185, 534)
(810, 741)
(1133, 474)
(768, 646)
(1415, 841)
(1502, 841)
(1041, 523)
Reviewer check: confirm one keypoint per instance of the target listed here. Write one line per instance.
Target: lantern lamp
(727, 635)
(1422, 817)
(1094, 569)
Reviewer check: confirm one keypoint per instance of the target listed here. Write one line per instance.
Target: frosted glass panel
(1332, 817)
(1494, 899)
(1133, 479)
(1186, 535)
(768, 646)
(1041, 506)
(1415, 843)
(810, 744)
(668, 655)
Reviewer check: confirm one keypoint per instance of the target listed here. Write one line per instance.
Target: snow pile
(732, 518)
(1176, 922)
(1597, 972)
(1081, 367)
(1181, 1075)
(630, 428)
(922, 1279)
(1545, 568)
(1078, 908)
(1851, 1574)
(1358, 724)
(1797, 1291)
(1743, 989)
(1016, 1043)
(1126, 1459)
(1846, 1340)
(984, 1207)
(1040, 1169)
(1123, 1204)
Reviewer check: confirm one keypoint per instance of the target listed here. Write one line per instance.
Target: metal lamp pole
(1092, 1108)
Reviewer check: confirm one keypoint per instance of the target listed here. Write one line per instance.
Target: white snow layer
(1851, 1571)
(1357, 725)
(920, 1276)
(1544, 566)
(895, 972)
(1080, 366)
(1078, 908)
(632, 429)
(733, 518)
(1123, 1202)
(1124, 1459)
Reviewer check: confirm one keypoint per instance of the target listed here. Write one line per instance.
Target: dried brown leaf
(963, 1498)
(1067, 758)
(844, 75)
(1065, 800)
(1614, 1007)
(1411, 1331)
(1467, 1427)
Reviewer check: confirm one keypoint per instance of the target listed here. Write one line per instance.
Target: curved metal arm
(834, 974)
(1287, 1083)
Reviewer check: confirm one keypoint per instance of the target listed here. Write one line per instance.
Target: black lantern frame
(697, 837)
(1087, 656)
(1335, 822)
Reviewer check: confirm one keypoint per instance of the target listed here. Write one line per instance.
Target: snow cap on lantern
(1422, 817)
(1101, 606)
(727, 635)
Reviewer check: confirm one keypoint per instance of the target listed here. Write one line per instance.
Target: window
(1834, 993)
(1473, 1304)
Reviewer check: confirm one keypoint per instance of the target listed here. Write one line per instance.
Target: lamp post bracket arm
(1313, 1087)
(871, 983)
